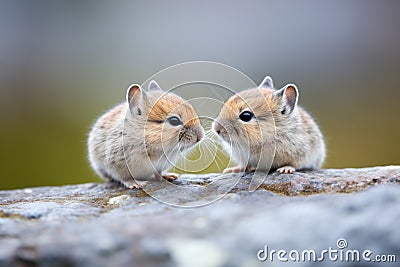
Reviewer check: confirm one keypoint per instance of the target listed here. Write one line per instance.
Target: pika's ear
(267, 82)
(153, 86)
(134, 96)
(288, 96)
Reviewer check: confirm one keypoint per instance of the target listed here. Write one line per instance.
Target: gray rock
(207, 220)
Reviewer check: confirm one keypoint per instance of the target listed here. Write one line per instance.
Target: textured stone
(105, 225)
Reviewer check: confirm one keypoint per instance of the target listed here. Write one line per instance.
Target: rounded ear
(134, 95)
(291, 94)
(267, 82)
(153, 86)
(288, 96)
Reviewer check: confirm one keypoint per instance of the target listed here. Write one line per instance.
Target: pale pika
(263, 127)
(143, 137)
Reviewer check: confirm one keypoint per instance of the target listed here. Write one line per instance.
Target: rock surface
(218, 222)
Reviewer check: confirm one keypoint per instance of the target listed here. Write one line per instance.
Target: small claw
(286, 169)
(135, 184)
(169, 176)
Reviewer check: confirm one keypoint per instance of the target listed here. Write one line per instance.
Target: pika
(142, 137)
(264, 128)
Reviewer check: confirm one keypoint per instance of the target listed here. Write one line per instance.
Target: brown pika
(263, 127)
(142, 137)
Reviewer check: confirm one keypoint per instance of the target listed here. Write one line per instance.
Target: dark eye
(246, 116)
(174, 121)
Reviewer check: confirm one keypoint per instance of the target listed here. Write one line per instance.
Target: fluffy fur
(134, 140)
(281, 135)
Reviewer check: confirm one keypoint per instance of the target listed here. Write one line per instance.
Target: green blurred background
(63, 63)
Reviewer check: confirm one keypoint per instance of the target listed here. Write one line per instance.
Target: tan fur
(173, 104)
(272, 138)
(129, 143)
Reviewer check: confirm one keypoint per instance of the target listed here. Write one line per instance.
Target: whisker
(217, 158)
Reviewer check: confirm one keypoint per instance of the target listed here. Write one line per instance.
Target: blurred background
(63, 63)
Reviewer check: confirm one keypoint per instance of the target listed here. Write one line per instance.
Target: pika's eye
(246, 116)
(174, 121)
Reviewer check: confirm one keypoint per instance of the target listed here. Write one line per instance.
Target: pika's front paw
(170, 176)
(235, 169)
(135, 184)
(286, 169)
